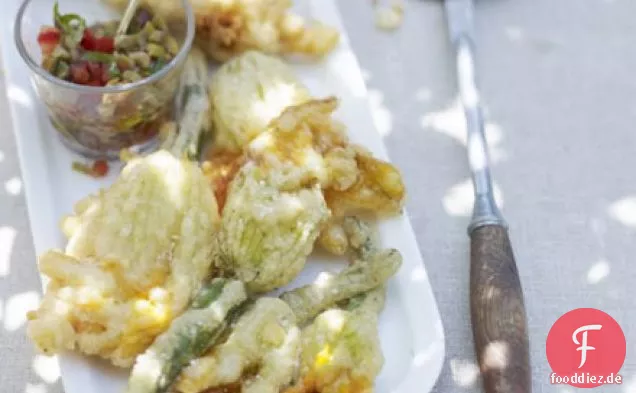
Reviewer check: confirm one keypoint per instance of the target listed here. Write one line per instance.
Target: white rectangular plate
(410, 327)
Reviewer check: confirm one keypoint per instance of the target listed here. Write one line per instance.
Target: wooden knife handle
(498, 314)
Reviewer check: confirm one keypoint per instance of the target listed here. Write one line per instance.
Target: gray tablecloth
(557, 81)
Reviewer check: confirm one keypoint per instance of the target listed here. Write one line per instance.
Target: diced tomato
(100, 168)
(105, 44)
(88, 40)
(95, 69)
(80, 73)
(48, 38)
(105, 75)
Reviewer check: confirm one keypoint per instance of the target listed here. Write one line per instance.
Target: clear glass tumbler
(94, 121)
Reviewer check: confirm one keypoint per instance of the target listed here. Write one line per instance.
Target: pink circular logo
(586, 348)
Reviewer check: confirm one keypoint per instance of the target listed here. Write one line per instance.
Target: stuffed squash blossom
(119, 282)
(137, 252)
(247, 93)
(260, 108)
(226, 342)
(341, 349)
(266, 231)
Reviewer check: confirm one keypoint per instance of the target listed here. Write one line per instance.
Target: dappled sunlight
(7, 237)
(17, 307)
(451, 121)
(381, 114)
(323, 280)
(494, 137)
(19, 96)
(496, 355)
(464, 372)
(424, 357)
(335, 320)
(599, 271)
(13, 186)
(366, 75)
(460, 198)
(514, 33)
(35, 388)
(624, 211)
(47, 368)
(423, 94)
(629, 385)
(418, 274)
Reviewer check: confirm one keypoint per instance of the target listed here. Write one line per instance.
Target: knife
(497, 307)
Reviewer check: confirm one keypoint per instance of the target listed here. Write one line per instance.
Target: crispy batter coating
(265, 342)
(247, 93)
(341, 349)
(226, 28)
(306, 145)
(137, 252)
(378, 190)
(267, 231)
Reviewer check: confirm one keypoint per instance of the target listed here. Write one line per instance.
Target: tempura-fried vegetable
(261, 108)
(247, 93)
(267, 233)
(298, 143)
(193, 106)
(137, 252)
(306, 144)
(377, 190)
(261, 352)
(190, 335)
(361, 276)
(341, 348)
(226, 28)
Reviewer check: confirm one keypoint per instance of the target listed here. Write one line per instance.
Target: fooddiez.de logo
(586, 348)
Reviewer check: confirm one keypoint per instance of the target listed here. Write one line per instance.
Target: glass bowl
(95, 121)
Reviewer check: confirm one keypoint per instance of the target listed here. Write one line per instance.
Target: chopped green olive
(60, 53)
(156, 36)
(148, 29)
(124, 62)
(159, 23)
(155, 51)
(142, 59)
(126, 42)
(172, 45)
(62, 70)
(131, 76)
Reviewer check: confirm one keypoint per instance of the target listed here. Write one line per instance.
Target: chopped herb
(98, 56)
(156, 66)
(113, 70)
(62, 70)
(66, 23)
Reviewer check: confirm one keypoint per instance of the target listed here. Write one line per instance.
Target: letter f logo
(584, 347)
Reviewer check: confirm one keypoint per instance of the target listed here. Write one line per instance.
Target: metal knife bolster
(460, 27)
(460, 17)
